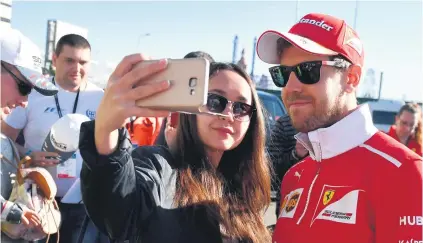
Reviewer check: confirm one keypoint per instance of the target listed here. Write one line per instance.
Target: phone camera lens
(192, 82)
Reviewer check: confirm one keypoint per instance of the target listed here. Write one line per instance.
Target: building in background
(242, 62)
(370, 86)
(5, 13)
(55, 30)
(235, 49)
(253, 61)
(262, 81)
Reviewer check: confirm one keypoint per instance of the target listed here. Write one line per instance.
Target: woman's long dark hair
(237, 193)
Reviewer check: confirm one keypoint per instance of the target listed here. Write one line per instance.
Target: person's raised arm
(118, 189)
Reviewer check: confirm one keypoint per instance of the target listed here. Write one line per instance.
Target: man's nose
(293, 84)
(79, 68)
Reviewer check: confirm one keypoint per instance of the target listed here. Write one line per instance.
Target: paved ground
(270, 216)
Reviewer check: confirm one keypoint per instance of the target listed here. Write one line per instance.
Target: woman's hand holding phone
(119, 99)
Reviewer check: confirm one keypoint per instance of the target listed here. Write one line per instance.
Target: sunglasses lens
(241, 110)
(280, 75)
(308, 72)
(24, 89)
(216, 103)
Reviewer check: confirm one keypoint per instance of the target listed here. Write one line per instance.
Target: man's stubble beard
(319, 118)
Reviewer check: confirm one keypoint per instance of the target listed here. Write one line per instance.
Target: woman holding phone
(169, 123)
(214, 186)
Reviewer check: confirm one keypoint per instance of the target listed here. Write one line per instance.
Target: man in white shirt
(75, 95)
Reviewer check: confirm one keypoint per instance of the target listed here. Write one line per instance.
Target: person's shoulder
(299, 166)
(284, 123)
(94, 93)
(151, 150)
(93, 87)
(283, 131)
(391, 153)
(398, 165)
(35, 96)
(285, 118)
(160, 154)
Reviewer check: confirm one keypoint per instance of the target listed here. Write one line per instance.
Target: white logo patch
(289, 206)
(342, 211)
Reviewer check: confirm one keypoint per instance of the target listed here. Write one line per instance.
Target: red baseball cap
(319, 34)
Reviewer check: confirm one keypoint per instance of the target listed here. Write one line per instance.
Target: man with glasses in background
(407, 128)
(20, 74)
(358, 184)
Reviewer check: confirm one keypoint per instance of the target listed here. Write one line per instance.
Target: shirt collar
(344, 135)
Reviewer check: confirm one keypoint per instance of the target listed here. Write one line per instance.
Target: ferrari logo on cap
(353, 41)
(327, 197)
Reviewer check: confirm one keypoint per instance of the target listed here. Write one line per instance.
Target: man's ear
(53, 59)
(353, 78)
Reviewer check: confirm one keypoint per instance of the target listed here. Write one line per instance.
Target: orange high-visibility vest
(144, 130)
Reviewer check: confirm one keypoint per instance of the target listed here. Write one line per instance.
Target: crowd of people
(153, 176)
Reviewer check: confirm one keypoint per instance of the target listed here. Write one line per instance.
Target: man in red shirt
(408, 127)
(358, 184)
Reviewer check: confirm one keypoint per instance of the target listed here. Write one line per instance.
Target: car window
(384, 117)
(273, 107)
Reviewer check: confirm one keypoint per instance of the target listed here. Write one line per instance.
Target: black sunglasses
(306, 72)
(217, 104)
(23, 87)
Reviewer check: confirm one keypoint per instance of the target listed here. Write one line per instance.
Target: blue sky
(391, 31)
